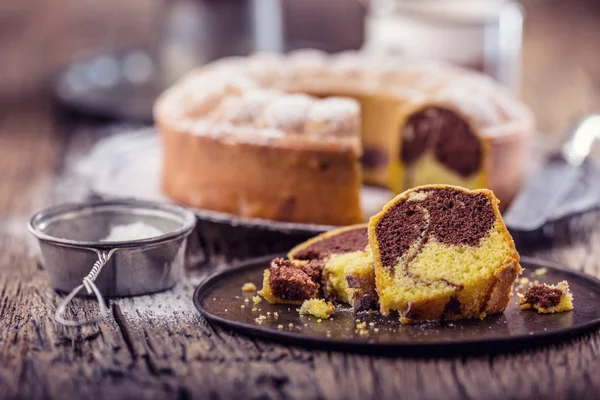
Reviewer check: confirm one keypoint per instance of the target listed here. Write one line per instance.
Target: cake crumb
(319, 320)
(375, 330)
(363, 332)
(541, 271)
(291, 325)
(523, 281)
(242, 306)
(260, 319)
(256, 299)
(276, 315)
(280, 326)
(246, 300)
(226, 309)
(269, 313)
(318, 308)
(362, 325)
(214, 299)
(371, 323)
(547, 299)
(254, 309)
(249, 287)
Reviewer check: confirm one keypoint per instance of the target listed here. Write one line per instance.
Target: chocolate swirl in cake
(450, 217)
(449, 136)
(289, 281)
(543, 296)
(344, 242)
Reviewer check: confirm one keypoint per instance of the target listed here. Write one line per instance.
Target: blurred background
(111, 57)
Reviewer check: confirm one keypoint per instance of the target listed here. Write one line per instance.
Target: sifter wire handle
(90, 286)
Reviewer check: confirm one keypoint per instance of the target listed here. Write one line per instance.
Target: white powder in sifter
(136, 231)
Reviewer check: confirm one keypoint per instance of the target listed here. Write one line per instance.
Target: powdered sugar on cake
(288, 113)
(334, 109)
(245, 97)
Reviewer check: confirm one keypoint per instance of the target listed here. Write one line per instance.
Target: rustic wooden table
(145, 351)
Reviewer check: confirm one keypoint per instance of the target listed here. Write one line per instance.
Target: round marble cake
(293, 137)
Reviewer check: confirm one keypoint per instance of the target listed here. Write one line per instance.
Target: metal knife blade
(539, 201)
(536, 203)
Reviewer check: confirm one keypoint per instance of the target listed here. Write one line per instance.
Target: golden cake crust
(272, 181)
(296, 249)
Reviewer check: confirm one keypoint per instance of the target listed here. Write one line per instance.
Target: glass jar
(484, 35)
(199, 31)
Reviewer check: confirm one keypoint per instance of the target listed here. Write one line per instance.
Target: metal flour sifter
(111, 248)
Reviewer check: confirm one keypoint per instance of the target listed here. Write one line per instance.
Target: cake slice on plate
(291, 282)
(442, 252)
(341, 265)
(347, 263)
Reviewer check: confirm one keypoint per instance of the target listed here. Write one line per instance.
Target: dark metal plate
(221, 301)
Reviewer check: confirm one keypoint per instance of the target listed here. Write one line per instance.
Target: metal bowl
(74, 249)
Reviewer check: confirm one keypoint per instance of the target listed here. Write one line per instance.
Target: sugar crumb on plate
(248, 287)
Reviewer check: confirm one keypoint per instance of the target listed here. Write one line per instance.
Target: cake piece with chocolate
(317, 308)
(547, 299)
(339, 261)
(443, 252)
(291, 282)
(347, 262)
